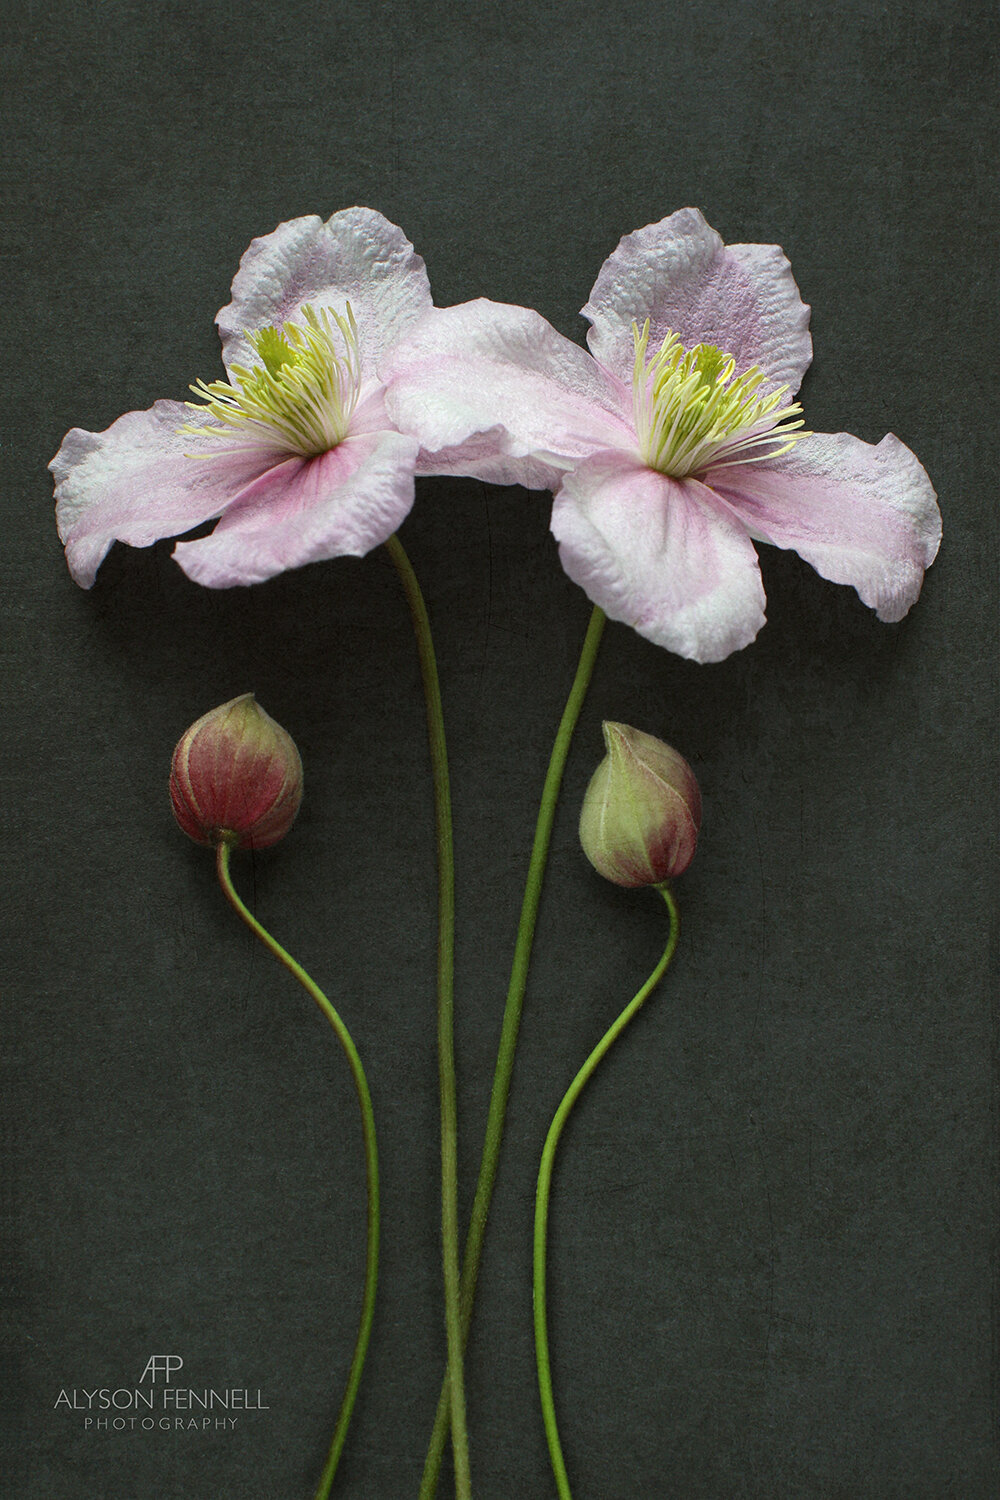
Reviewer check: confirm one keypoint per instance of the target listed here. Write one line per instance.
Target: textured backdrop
(771, 1237)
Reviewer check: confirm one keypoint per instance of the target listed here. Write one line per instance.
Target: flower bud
(236, 777)
(642, 810)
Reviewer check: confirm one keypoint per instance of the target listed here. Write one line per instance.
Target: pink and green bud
(642, 810)
(236, 777)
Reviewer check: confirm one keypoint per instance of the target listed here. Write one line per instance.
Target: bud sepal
(642, 810)
(236, 777)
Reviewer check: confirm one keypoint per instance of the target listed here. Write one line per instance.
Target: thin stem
(545, 1183)
(371, 1163)
(445, 1015)
(511, 1023)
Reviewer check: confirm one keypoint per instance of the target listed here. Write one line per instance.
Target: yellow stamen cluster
(690, 413)
(300, 397)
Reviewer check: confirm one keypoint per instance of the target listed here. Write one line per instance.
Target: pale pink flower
(675, 443)
(295, 451)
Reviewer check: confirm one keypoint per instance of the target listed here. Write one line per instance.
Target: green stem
(371, 1163)
(511, 1024)
(445, 1015)
(545, 1183)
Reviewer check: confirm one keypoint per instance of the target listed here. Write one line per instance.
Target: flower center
(690, 413)
(301, 395)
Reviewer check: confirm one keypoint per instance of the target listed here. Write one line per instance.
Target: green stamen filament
(300, 397)
(690, 413)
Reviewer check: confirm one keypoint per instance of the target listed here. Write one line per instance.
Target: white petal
(339, 504)
(860, 514)
(493, 390)
(137, 482)
(662, 555)
(357, 256)
(680, 275)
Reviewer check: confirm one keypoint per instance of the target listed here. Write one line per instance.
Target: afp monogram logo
(167, 1363)
(156, 1404)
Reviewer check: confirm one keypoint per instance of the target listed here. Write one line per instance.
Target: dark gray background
(772, 1225)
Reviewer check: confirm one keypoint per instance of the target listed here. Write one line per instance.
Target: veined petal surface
(135, 482)
(491, 376)
(678, 273)
(662, 555)
(338, 504)
(357, 256)
(860, 514)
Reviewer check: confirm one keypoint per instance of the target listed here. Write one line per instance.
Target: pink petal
(481, 457)
(859, 514)
(357, 256)
(660, 554)
(680, 275)
(339, 504)
(494, 391)
(135, 482)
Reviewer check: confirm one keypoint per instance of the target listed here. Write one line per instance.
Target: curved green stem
(445, 1015)
(371, 1163)
(511, 1024)
(544, 1186)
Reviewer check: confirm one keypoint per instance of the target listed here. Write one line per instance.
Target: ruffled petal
(680, 275)
(859, 513)
(357, 256)
(662, 555)
(137, 482)
(339, 504)
(493, 390)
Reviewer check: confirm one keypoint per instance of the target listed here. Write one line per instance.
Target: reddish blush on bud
(642, 810)
(236, 777)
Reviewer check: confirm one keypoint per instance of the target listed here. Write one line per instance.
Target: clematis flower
(675, 443)
(294, 450)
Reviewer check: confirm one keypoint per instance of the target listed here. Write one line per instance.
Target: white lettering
(161, 1364)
